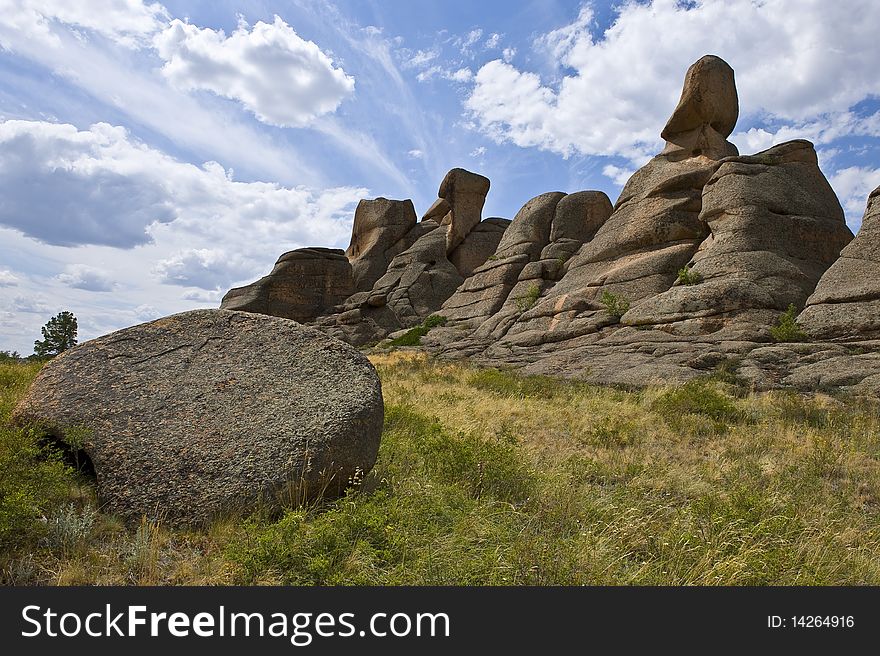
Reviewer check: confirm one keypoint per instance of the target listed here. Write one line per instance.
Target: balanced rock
(776, 227)
(846, 302)
(304, 284)
(377, 235)
(210, 411)
(655, 228)
(465, 194)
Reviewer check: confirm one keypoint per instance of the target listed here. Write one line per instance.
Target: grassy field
(485, 477)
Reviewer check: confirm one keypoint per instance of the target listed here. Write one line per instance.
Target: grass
(615, 305)
(787, 329)
(527, 301)
(488, 477)
(689, 276)
(413, 337)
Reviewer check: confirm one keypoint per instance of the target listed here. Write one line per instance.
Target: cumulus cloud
(82, 276)
(203, 296)
(67, 187)
(70, 187)
(794, 61)
(129, 22)
(32, 304)
(617, 174)
(146, 313)
(493, 41)
(853, 184)
(203, 267)
(280, 77)
(7, 278)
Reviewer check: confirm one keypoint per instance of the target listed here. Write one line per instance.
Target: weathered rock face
(776, 226)
(303, 285)
(483, 294)
(211, 410)
(706, 113)
(465, 194)
(377, 235)
(480, 244)
(846, 302)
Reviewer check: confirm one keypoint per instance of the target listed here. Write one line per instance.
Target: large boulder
(210, 411)
(377, 235)
(304, 284)
(846, 302)
(776, 227)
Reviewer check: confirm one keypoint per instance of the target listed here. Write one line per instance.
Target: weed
(688, 276)
(787, 329)
(528, 300)
(616, 306)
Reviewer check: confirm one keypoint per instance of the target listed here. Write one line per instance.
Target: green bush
(413, 337)
(615, 305)
(527, 301)
(696, 397)
(689, 276)
(787, 329)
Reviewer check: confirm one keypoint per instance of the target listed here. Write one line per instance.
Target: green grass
(488, 477)
(689, 276)
(527, 301)
(787, 329)
(413, 337)
(615, 305)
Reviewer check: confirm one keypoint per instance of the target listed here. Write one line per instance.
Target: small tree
(59, 334)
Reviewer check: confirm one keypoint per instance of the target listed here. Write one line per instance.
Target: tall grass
(488, 477)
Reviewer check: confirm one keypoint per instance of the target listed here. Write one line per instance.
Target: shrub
(787, 329)
(615, 305)
(414, 336)
(696, 397)
(528, 301)
(689, 276)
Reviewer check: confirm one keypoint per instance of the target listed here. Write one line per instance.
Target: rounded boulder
(211, 411)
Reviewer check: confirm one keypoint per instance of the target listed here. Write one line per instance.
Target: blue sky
(154, 154)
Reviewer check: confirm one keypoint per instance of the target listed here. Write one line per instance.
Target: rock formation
(301, 286)
(846, 302)
(692, 266)
(211, 410)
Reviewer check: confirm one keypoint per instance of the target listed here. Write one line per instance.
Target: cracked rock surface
(211, 410)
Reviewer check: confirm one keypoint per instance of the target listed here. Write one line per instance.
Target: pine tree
(59, 334)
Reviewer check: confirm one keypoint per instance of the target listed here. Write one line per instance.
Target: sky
(153, 155)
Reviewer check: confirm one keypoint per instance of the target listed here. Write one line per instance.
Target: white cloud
(203, 267)
(617, 174)
(794, 61)
(469, 40)
(32, 304)
(420, 58)
(203, 296)
(493, 41)
(478, 152)
(416, 154)
(68, 187)
(462, 75)
(129, 22)
(852, 185)
(146, 313)
(281, 78)
(82, 276)
(508, 54)
(7, 278)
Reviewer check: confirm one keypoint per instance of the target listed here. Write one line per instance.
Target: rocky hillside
(695, 267)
